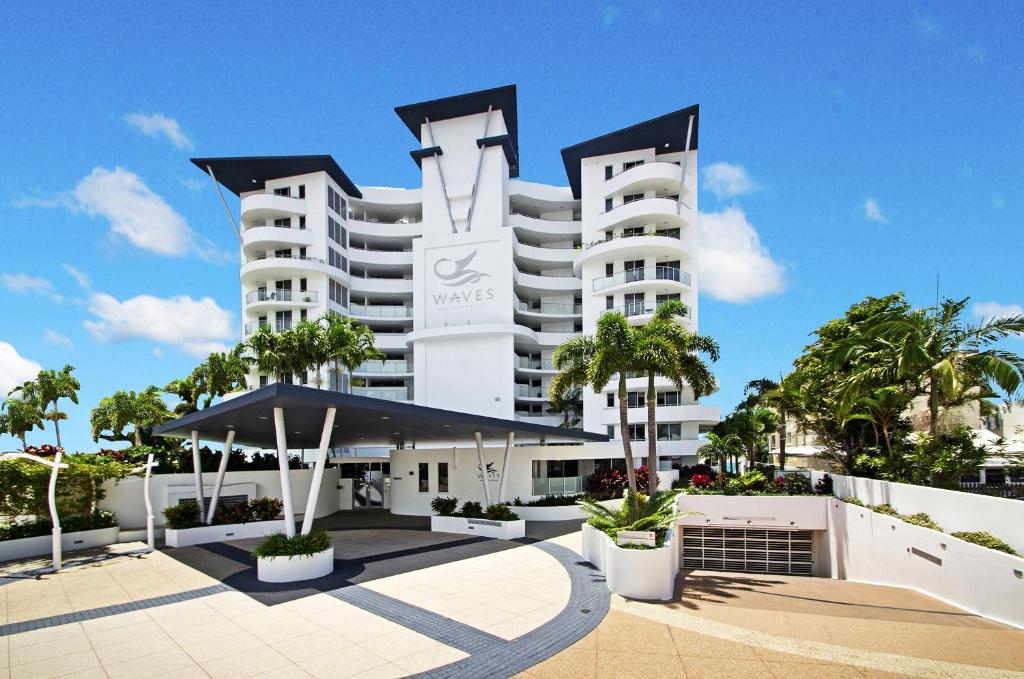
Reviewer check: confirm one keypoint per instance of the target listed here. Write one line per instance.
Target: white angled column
(483, 466)
(197, 472)
(503, 486)
(318, 471)
(221, 470)
(282, 464)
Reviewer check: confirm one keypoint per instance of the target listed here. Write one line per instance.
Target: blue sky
(856, 150)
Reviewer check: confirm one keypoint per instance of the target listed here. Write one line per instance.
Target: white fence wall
(951, 509)
(883, 550)
(126, 498)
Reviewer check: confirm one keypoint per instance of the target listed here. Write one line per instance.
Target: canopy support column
(503, 486)
(282, 464)
(197, 473)
(221, 470)
(318, 471)
(483, 466)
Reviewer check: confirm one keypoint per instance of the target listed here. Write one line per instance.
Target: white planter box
(295, 568)
(806, 512)
(43, 544)
(560, 513)
(648, 574)
(593, 545)
(503, 530)
(184, 537)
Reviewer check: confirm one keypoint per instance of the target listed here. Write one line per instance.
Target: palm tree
(269, 353)
(751, 425)
(719, 448)
(20, 416)
(48, 388)
(664, 348)
(787, 400)
(348, 345)
(222, 373)
(951, 360)
(570, 406)
(188, 390)
(585, 361)
(311, 338)
(143, 411)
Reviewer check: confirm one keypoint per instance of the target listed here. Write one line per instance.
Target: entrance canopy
(361, 421)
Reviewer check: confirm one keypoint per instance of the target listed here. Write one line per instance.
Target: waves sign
(461, 284)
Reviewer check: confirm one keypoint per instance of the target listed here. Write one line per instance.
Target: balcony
(369, 225)
(395, 367)
(559, 485)
(525, 391)
(656, 274)
(275, 326)
(386, 393)
(385, 286)
(656, 210)
(652, 176)
(282, 297)
(540, 365)
(545, 229)
(260, 206)
(272, 237)
(380, 311)
(549, 308)
(537, 284)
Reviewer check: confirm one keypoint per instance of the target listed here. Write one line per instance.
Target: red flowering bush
(700, 480)
(608, 484)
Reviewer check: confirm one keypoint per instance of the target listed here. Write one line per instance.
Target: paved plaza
(405, 602)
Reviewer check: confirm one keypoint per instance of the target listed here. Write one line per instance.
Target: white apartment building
(470, 281)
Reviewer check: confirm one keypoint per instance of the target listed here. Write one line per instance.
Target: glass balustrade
(257, 296)
(385, 367)
(275, 326)
(386, 393)
(534, 364)
(649, 273)
(375, 311)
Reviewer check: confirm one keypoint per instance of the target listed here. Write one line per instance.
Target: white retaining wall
(126, 498)
(883, 550)
(951, 509)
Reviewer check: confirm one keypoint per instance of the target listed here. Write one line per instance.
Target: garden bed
(200, 535)
(39, 545)
(295, 568)
(503, 530)
(646, 574)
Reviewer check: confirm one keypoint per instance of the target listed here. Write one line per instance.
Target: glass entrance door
(368, 487)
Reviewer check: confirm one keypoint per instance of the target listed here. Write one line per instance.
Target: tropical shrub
(500, 512)
(923, 520)
(853, 501)
(184, 515)
(444, 506)
(472, 510)
(550, 501)
(238, 512)
(824, 485)
(279, 544)
(72, 524)
(265, 508)
(24, 484)
(752, 480)
(701, 480)
(985, 540)
(637, 512)
(796, 484)
(609, 484)
(687, 471)
(886, 509)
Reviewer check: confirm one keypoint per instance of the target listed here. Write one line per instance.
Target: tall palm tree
(311, 337)
(751, 425)
(951, 360)
(143, 411)
(664, 348)
(47, 389)
(570, 406)
(19, 416)
(269, 353)
(719, 448)
(585, 361)
(348, 344)
(222, 373)
(787, 400)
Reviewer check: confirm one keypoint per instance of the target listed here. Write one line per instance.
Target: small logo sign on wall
(457, 272)
(492, 473)
(460, 284)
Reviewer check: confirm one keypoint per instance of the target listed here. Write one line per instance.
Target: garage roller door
(751, 550)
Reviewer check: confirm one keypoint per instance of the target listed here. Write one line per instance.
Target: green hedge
(300, 545)
(24, 485)
(985, 540)
(72, 524)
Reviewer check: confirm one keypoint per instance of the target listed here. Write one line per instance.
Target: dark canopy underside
(360, 422)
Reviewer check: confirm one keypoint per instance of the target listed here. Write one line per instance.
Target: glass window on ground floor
(442, 477)
(424, 477)
(568, 477)
(671, 431)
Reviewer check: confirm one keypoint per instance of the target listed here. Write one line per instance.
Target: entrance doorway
(371, 484)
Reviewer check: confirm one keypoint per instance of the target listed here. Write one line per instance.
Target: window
(632, 198)
(335, 259)
(302, 222)
(636, 399)
(286, 222)
(630, 165)
(263, 380)
(424, 477)
(337, 292)
(609, 302)
(608, 172)
(637, 432)
(282, 191)
(995, 476)
(302, 190)
(611, 399)
(670, 432)
(634, 303)
(610, 430)
(633, 231)
(668, 297)
(609, 269)
(335, 201)
(337, 232)
(668, 398)
(608, 205)
(442, 477)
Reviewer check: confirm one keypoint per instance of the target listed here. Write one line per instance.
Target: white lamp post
(150, 540)
(51, 496)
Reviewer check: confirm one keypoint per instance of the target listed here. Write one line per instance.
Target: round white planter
(295, 568)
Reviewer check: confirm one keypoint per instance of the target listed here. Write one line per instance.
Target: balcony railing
(650, 273)
(275, 326)
(257, 296)
(384, 220)
(388, 394)
(527, 363)
(576, 218)
(303, 258)
(559, 485)
(374, 311)
(385, 367)
(664, 233)
(560, 308)
(526, 391)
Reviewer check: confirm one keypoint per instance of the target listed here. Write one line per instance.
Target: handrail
(385, 367)
(543, 219)
(388, 394)
(373, 311)
(638, 200)
(664, 233)
(527, 363)
(281, 296)
(378, 220)
(299, 257)
(660, 273)
(562, 308)
(526, 391)
(653, 162)
(275, 326)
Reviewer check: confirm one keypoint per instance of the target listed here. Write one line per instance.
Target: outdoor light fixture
(385, 417)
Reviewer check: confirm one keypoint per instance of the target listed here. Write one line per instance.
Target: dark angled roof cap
(251, 172)
(460, 105)
(665, 134)
(361, 421)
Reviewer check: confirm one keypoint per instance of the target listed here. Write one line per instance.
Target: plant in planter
(184, 515)
(265, 508)
(239, 512)
(637, 513)
(472, 510)
(280, 558)
(500, 512)
(985, 539)
(279, 544)
(444, 506)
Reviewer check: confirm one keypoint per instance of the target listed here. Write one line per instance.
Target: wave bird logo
(461, 274)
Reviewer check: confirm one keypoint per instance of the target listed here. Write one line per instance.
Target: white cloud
(734, 265)
(138, 214)
(14, 368)
(24, 284)
(158, 125)
(80, 277)
(989, 310)
(873, 213)
(57, 339)
(726, 180)
(196, 327)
